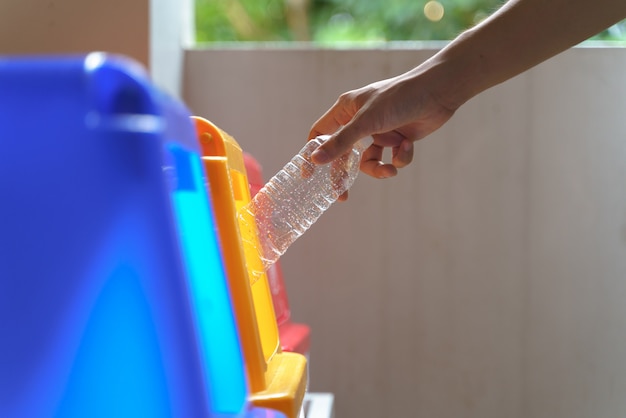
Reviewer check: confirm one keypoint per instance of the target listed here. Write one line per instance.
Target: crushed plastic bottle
(296, 197)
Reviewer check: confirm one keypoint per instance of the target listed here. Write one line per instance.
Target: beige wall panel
(489, 278)
(75, 26)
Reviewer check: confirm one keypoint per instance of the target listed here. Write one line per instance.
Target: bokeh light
(434, 11)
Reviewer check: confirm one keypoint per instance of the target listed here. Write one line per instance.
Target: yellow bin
(277, 379)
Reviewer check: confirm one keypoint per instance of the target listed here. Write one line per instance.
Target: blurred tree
(331, 21)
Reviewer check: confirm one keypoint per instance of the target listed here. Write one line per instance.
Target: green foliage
(392, 20)
(241, 20)
(330, 21)
(614, 33)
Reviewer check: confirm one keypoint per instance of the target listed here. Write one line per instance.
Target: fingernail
(319, 156)
(407, 145)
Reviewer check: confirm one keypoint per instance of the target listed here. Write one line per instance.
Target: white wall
(171, 29)
(489, 278)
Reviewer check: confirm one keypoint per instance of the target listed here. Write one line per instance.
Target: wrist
(458, 71)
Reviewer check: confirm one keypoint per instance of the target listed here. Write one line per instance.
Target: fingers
(339, 143)
(345, 121)
(372, 164)
(372, 160)
(338, 115)
(350, 123)
(402, 155)
(325, 125)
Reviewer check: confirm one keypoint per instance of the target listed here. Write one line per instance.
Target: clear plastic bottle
(296, 197)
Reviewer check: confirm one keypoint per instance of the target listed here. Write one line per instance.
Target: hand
(395, 112)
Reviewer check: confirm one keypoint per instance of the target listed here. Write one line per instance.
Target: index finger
(338, 115)
(339, 143)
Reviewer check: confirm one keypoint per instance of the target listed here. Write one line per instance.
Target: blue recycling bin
(113, 301)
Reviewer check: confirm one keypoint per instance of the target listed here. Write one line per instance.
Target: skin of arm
(400, 110)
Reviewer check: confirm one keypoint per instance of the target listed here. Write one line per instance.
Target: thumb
(340, 142)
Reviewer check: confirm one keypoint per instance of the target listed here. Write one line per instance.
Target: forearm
(520, 35)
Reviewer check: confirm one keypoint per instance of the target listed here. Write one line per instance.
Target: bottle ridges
(295, 198)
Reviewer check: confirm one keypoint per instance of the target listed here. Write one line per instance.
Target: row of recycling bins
(125, 285)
